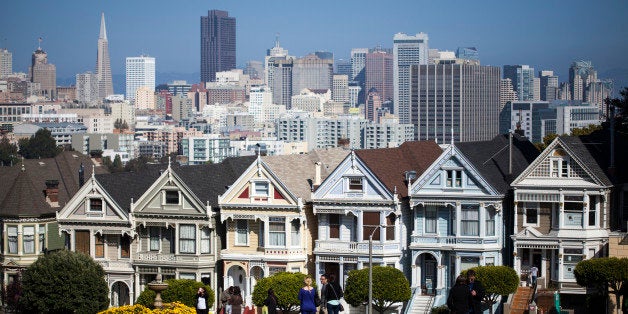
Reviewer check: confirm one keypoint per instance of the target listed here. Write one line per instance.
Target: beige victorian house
(268, 217)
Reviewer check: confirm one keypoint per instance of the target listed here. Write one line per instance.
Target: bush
(64, 282)
(286, 286)
(179, 290)
(443, 309)
(389, 286)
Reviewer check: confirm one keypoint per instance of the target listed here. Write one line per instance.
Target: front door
(428, 281)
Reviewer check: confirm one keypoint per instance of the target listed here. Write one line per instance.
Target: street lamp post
(370, 306)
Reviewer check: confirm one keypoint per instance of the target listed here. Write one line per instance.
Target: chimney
(317, 174)
(52, 192)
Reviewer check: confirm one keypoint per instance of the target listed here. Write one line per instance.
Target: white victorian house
(562, 205)
(457, 208)
(365, 196)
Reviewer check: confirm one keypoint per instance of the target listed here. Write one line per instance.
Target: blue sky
(545, 34)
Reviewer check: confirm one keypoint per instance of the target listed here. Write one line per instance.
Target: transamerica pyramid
(103, 66)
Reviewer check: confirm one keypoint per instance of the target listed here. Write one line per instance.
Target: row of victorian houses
(431, 211)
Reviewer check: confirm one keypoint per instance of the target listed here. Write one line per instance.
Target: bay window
(470, 220)
(277, 231)
(28, 238)
(242, 232)
(12, 235)
(187, 239)
(430, 219)
(205, 240)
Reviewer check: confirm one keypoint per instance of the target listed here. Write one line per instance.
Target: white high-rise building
(358, 62)
(340, 88)
(6, 63)
(140, 71)
(87, 88)
(407, 50)
(260, 99)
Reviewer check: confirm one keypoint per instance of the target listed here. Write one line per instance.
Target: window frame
(191, 239)
(466, 208)
(206, 243)
(432, 210)
(167, 198)
(334, 228)
(42, 238)
(279, 234)
(239, 229)
(528, 206)
(99, 246)
(91, 207)
(30, 241)
(355, 184)
(256, 192)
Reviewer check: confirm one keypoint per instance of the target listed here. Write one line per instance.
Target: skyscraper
(467, 53)
(140, 72)
(281, 80)
(218, 44)
(407, 50)
(378, 73)
(340, 88)
(87, 88)
(6, 63)
(522, 77)
(103, 66)
(43, 73)
(549, 85)
(581, 74)
(314, 71)
(461, 98)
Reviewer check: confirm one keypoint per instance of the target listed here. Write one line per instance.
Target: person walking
(201, 301)
(459, 298)
(333, 293)
(534, 272)
(236, 301)
(307, 297)
(477, 292)
(322, 309)
(225, 297)
(271, 302)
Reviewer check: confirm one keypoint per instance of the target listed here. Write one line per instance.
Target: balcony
(116, 265)
(361, 248)
(453, 242)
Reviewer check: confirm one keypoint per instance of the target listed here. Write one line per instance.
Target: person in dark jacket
(333, 293)
(459, 297)
(271, 302)
(477, 292)
(236, 301)
(201, 301)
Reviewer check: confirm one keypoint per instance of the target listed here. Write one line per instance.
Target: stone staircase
(521, 300)
(421, 304)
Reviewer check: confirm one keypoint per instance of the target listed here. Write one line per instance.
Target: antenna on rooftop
(39, 40)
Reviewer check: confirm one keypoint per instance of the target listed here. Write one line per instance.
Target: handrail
(411, 303)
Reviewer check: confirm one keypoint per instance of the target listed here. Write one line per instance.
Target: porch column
(559, 272)
(440, 281)
(414, 282)
(136, 285)
(516, 210)
(341, 273)
(360, 226)
(176, 238)
(544, 264)
(266, 234)
(317, 271)
(382, 231)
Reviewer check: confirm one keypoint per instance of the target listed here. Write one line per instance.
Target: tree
(40, 145)
(117, 164)
(497, 281)
(179, 290)
(64, 282)
(286, 286)
(389, 286)
(8, 152)
(547, 139)
(604, 274)
(586, 130)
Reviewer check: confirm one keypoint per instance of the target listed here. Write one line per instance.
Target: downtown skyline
(543, 35)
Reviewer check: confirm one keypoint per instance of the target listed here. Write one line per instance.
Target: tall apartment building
(461, 98)
(6, 62)
(407, 50)
(43, 73)
(386, 135)
(581, 74)
(218, 44)
(358, 62)
(507, 93)
(314, 71)
(277, 52)
(549, 85)
(140, 72)
(259, 99)
(343, 67)
(340, 88)
(372, 105)
(378, 73)
(280, 74)
(103, 65)
(522, 77)
(87, 91)
(144, 98)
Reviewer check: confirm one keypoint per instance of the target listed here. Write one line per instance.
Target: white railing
(356, 247)
(116, 265)
(450, 240)
(162, 257)
(283, 251)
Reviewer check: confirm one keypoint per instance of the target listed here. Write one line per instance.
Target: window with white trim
(470, 220)
(489, 223)
(12, 239)
(531, 214)
(242, 232)
(430, 219)
(95, 204)
(42, 238)
(187, 239)
(171, 198)
(574, 210)
(261, 188)
(593, 210)
(154, 237)
(295, 231)
(28, 239)
(205, 240)
(277, 231)
(355, 184)
(453, 178)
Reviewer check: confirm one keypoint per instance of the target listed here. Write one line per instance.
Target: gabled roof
(297, 172)
(590, 155)
(390, 164)
(22, 192)
(205, 181)
(491, 158)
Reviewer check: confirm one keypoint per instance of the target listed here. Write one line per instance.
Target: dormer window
(261, 188)
(95, 204)
(355, 184)
(559, 164)
(453, 178)
(172, 197)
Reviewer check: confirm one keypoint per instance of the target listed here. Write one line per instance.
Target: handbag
(340, 307)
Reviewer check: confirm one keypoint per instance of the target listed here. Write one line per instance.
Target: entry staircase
(420, 303)
(521, 300)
